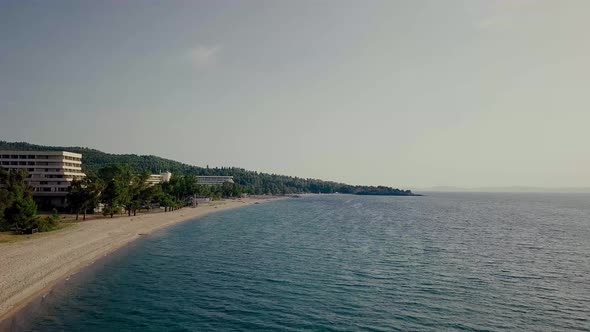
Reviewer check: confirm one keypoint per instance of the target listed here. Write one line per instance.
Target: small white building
(214, 180)
(159, 178)
(207, 180)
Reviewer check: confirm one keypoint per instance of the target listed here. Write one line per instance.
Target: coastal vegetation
(118, 188)
(250, 182)
(112, 190)
(18, 211)
(380, 191)
(117, 184)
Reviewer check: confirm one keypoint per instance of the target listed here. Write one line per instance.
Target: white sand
(31, 267)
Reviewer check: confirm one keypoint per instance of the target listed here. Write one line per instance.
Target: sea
(440, 262)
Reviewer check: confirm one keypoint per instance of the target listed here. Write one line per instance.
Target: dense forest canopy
(252, 182)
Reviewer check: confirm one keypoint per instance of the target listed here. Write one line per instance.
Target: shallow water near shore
(446, 261)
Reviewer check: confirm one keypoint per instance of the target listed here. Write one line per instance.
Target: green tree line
(119, 188)
(18, 211)
(115, 188)
(251, 182)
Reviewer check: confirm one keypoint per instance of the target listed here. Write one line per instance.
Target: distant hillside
(253, 182)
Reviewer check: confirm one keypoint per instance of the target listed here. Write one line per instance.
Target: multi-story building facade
(214, 180)
(159, 178)
(50, 172)
(207, 180)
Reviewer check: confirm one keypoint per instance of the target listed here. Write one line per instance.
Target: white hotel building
(206, 180)
(50, 172)
(159, 178)
(214, 180)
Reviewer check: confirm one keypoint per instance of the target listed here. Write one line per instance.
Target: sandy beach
(31, 267)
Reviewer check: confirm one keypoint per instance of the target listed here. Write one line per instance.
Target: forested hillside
(253, 182)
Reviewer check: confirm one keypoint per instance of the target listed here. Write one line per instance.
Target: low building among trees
(214, 180)
(154, 179)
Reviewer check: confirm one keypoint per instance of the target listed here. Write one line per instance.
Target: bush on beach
(18, 211)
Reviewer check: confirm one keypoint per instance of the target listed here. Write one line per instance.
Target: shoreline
(32, 267)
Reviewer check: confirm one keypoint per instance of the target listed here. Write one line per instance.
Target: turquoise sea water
(465, 262)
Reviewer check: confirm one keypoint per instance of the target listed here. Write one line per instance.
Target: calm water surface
(470, 262)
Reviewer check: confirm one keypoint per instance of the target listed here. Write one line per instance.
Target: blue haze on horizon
(402, 93)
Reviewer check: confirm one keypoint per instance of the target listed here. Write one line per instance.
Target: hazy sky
(402, 93)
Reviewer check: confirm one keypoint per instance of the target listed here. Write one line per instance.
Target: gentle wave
(464, 262)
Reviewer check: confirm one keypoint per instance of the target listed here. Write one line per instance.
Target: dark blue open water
(471, 262)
